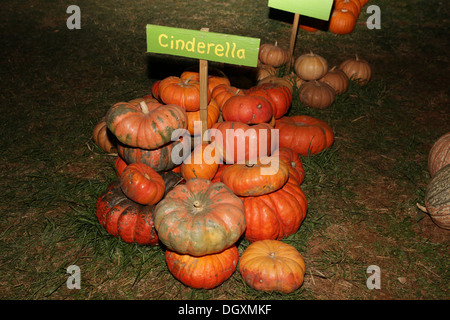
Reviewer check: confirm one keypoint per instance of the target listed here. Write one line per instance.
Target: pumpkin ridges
(439, 155)
(437, 198)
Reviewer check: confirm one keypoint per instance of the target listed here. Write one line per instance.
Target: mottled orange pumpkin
(247, 109)
(199, 218)
(205, 272)
(294, 163)
(194, 121)
(223, 92)
(201, 163)
(278, 95)
(182, 92)
(271, 265)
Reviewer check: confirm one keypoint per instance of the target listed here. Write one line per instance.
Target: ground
(362, 193)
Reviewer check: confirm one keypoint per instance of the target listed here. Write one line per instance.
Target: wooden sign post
(319, 9)
(205, 46)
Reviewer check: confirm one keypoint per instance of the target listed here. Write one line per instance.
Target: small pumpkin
(182, 92)
(278, 82)
(126, 219)
(439, 155)
(223, 92)
(305, 135)
(354, 6)
(275, 215)
(103, 137)
(201, 163)
(316, 94)
(142, 184)
(337, 79)
(342, 21)
(271, 265)
(268, 174)
(310, 66)
(437, 198)
(247, 109)
(205, 272)
(357, 69)
(273, 55)
(278, 95)
(199, 218)
(145, 125)
(194, 121)
(294, 163)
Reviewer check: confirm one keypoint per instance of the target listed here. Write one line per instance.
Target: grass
(57, 83)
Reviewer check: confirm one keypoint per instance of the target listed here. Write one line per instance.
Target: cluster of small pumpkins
(437, 197)
(343, 18)
(201, 208)
(317, 84)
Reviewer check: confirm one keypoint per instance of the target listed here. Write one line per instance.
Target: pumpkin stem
(144, 107)
(422, 208)
(272, 254)
(196, 204)
(356, 57)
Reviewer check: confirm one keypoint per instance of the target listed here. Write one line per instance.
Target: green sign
(319, 9)
(203, 45)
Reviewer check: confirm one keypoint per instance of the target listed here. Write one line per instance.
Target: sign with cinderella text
(203, 45)
(319, 9)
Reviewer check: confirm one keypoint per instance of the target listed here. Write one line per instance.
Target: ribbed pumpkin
(199, 218)
(194, 121)
(354, 6)
(357, 69)
(273, 55)
(182, 92)
(342, 21)
(223, 92)
(159, 159)
(271, 265)
(142, 184)
(103, 137)
(294, 163)
(266, 175)
(205, 272)
(126, 219)
(439, 155)
(248, 141)
(263, 71)
(437, 198)
(213, 80)
(145, 125)
(277, 81)
(316, 94)
(119, 166)
(337, 79)
(201, 163)
(304, 134)
(276, 215)
(310, 66)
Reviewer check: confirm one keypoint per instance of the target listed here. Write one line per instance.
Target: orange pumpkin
(103, 137)
(342, 21)
(213, 81)
(310, 66)
(182, 92)
(294, 163)
(247, 109)
(271, 265)
(268, 174)
(275, 215)
(205, 272)
(194, 121)
(201, 163)
(354, 6)
(223, 92)
(357, 69)
(279, 96)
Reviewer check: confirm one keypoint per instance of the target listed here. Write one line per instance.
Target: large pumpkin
(182, 92)
(205, 272)
(276, 215)
(237, 142)
(439, 155)
(268, 174)
(199, 218)
(437, 198)
(145, 125)
(142, 184)
(304, 134)
(271, 265)
(126, 219)
(247, 109)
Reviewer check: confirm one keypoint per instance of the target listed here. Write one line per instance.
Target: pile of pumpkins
(317, 84)
(200, 207)
(343, 18)
(437, 196)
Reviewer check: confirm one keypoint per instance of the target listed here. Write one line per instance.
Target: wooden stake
(293, 38)
(204, 93)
